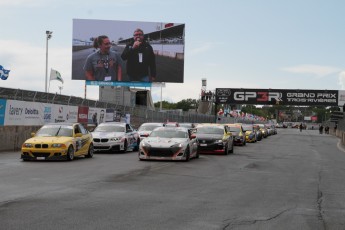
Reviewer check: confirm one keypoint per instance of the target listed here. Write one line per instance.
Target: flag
(4, 73)
(55, 75)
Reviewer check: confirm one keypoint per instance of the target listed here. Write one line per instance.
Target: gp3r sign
(280, 96)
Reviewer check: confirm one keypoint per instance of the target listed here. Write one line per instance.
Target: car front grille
(160, 152)
(210, 147)
(40, 154)
(41, 146)
(102, 140)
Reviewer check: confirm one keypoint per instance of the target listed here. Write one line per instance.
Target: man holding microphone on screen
(141, 61)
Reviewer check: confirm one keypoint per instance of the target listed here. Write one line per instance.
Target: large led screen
(108, 51)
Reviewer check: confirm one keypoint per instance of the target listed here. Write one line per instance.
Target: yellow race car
(238, 134)
(250, 132)
(58, 141)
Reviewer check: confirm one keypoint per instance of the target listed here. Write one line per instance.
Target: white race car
(146, 128)
(115, 136)
(169, 143)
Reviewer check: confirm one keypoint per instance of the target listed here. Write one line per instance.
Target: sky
(278, 44)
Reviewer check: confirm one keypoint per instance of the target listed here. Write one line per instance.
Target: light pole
(49, 35)
(60, 88)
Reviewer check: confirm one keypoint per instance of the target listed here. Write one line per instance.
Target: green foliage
(165, 105)
(185, 104)
(322, 112)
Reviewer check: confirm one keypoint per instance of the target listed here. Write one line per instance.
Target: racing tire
(197, 155)
(125, 147)
(232, 148)
(90, 152)
(139, 157)
(226, 150)
(70, 153)
(136, 148)
(187, 153)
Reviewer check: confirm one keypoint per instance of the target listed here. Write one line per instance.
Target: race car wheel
(136, 148)
(125, 146)
(197, 155)
(90, 152)
(232, 148)
(187, 154)
(70, 153)
(226, 150)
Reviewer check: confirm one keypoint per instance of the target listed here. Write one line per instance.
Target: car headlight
(144, 144)
(219, 141)
(28, 145)
(179, 145)
(58, 145)
(176, 148)
(115, 139)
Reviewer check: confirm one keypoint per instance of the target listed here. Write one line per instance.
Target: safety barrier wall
(12, 136)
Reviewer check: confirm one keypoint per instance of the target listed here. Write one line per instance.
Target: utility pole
(49, 35)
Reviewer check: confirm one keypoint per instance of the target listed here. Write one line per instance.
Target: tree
(185, 104)
(165, 105)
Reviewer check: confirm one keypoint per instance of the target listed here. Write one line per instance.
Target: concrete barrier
(12, 137)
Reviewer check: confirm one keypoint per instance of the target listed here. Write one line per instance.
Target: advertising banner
(280, 97)
(94, 116)
(110, 115)
(117, 83)
(83, 112)
(64, 113)
(23, 113)
(47, 113)
(2, 111)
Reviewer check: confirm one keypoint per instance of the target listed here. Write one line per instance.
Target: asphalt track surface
(292, 180)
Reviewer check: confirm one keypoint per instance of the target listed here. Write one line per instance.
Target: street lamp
(49, 35)
(60, 88)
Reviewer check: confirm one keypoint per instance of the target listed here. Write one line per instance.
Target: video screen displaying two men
(126, 51)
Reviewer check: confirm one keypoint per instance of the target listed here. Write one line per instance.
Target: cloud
(172, 91)
(203, 47)
(342, 80)
(317, 70)
(56, 3)
(26, 63)
(21, 3)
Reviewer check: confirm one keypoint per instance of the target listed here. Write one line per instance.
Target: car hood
(55, 139)
(209, 136)
(163, 142)
(144, 132)
(107, 134)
